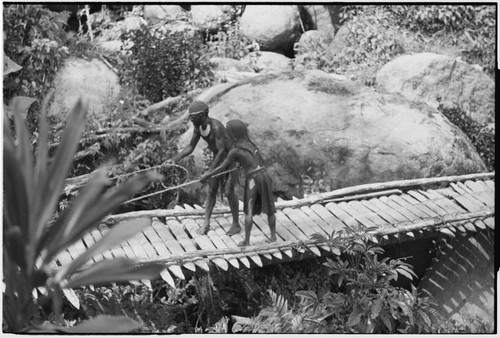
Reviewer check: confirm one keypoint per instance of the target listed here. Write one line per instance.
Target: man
(258, 196)
(213, 132)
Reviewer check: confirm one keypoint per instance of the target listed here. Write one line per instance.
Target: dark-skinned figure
(213, 132)
(258, 196)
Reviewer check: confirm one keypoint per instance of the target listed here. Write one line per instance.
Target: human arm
(219, 134)
(228, 161)
(189, 148)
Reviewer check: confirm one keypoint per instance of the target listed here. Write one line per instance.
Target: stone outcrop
(210, 17)
(274, 27)
(265, 62)
(155, 14)
(312, 123)
(434, 78)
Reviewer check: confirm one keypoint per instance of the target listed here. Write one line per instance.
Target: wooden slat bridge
(400, 210)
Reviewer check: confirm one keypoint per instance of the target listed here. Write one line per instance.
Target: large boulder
(210, 17)
(310, 49)
(311, 123)
(155, 14)
(274, 27)
(434, 78)
(92, 80)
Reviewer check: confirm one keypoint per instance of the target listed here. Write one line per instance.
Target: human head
(237, 130)
(198, 111)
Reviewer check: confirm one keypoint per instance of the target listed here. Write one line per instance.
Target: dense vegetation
(351, 291)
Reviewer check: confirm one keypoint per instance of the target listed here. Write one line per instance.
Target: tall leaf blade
(63, 229)
(59, 169)
(117, 234)
(115, 270)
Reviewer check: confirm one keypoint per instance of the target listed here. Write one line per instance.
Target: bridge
(397, 211)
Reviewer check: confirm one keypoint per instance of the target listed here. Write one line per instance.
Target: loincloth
(259, 185)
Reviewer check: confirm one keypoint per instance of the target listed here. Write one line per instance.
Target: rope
(175, 187)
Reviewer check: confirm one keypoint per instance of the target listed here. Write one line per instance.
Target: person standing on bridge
(258, 196)
(213, 132)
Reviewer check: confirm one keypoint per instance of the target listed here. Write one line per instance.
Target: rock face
(312, 123)
(92, 80)
(425, 77)
(274, 27)
(265, 62)
(210, 17)
(311, 46)
(154, 14)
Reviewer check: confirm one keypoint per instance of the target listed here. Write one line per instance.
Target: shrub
(33, 235)
(34, 39)
(482, 138)
(364, 302)
(162, 64)
(229, 43)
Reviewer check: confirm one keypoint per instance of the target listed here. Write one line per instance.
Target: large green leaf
(117, 234)
(114, 270)
(58, 170)
(69, 224)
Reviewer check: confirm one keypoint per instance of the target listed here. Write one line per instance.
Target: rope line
(176, 187)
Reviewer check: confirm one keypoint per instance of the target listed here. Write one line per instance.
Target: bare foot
(235, 228)
(243, 243)
(203, 230)
(273, 239)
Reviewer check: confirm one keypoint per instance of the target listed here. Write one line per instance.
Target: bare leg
(233, 205)
(248, 224)
(213, 184)
(271, 219)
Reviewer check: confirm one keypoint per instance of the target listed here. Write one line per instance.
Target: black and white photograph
(249, 168)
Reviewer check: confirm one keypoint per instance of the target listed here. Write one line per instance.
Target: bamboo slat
(203, 242)
(426, 199)
(410, 207)
(421, 206)
(176, 271)
(473, 204)
(475, 194)
(284, 221)
(170, 242)
(89, 241)
(369, 214)
(282, 234)
(154, 238)
(225, 225)
(314, 217)
(328, 217)
(384, 214)
(165, 275)
(296, 217)
(408, 215)
(219, 244)
(479, 191)
(341, 214)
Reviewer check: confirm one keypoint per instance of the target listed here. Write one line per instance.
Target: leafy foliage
(33, 38)
(33, 237)
(482, 138)
(475, 25)
(229, 43)
(365, 301)
(162, 64)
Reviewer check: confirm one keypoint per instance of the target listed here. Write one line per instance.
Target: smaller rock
(132, 23)
(155, 14)
(210, 17)
(227, 64)
(265, 62)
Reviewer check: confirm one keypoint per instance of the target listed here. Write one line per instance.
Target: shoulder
(217, 126)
